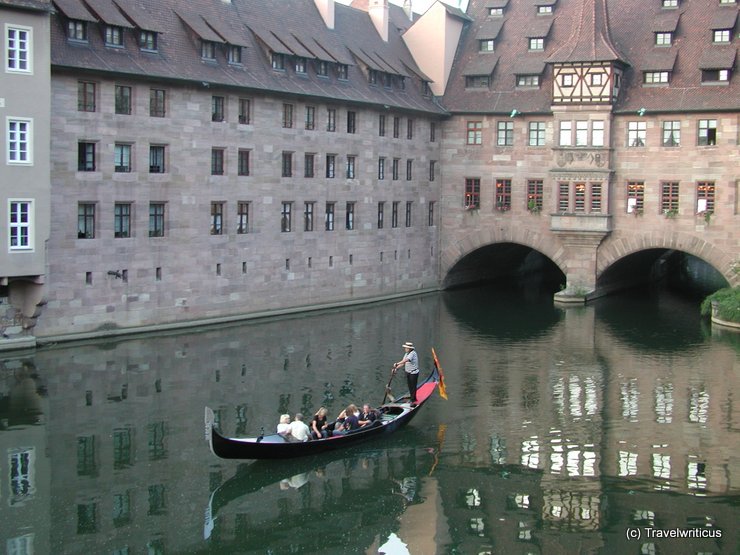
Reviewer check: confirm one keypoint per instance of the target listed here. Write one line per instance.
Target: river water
(598, 429)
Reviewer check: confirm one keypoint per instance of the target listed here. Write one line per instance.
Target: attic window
(402, 82)
(207, 50)
(715, 75)
(727, 1)
(527, 80)
(426, 90)
(721, 36)
(663, 39)
(113, 35)
(278, 61)
(496, 12)
(300, 65)
(342, 71)
(537, 43)
(477, 81)
(387, 80)
(234, 54)
(322, 68)
(670, 3)
(148, 40)
(656, 77)
(544, 10)
(77, 30)
(372, 76)
(486, 45)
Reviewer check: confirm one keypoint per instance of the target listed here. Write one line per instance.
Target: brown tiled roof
(666, 22)
(660, 59)
(540, 27)
(482, 64)
(724, 18)
(490, 29)
(294, 27)
(718, 57)
(107, 11)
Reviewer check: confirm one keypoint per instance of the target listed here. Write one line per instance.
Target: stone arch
(548, 245)
(616, 248)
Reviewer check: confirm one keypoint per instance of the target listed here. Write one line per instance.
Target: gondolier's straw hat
(408, 345)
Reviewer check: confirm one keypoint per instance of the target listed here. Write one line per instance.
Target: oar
(388, 387)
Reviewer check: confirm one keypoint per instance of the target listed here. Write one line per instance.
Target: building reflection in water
(560, 434)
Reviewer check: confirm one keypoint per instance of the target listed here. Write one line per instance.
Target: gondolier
(410, 363)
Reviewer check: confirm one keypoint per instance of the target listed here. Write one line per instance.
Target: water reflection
(557, 436)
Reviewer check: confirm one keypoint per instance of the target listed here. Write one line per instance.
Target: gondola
(393, 415)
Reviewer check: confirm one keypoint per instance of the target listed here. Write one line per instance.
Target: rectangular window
(372, 76)
(563, 197)
(322, 68)
(122, 220)
(381, 214)
(544, 10)
(409, 128)
(20, 225)
(671, 133)
(475, 133)
(503, 194)
(537, 43)
(123, 100)
(432, 169)
(721, 36)
(331, 161)
(534, 195)
(19, 141)
(579, 197)
(472, 193)
(18, 48)
(86, 220)
(85, 156)
(705, 197)
(342, 72)
(310, 122)
(157, 103)
(217, 108)
(287, 116)
(300, 64)
(113, 35)
(349, 216)
(381, 169)
(308, 165)
(597, 133)
(669, 197)
(85, 96)
(566, 136)
(432, 131)
(407, 214)
(536, 133)
(242, 218)
(287, 166)
(156, 219)
(670, 3)
(505, 133)
(596, 197)
(351, 160)
(122, 158)
(655, 77)
(430, 214)
(207, 50)
(277, 61)
(396, 127)
(351, 121)
(663, 39)
(77, 30)
(308, 210)
(527, 80)
(245, 106)
(148, 40)
(636, 133)
(243, 162)
(394, 214)
(581, 133)
(409, 169)
(156, 159)
(331, 119)
(486, 45)
(217, 161)
(217, 218)
(329, 216)
(707, 132)
(635, 196)
(381, 125)
(394, 168)
(477, 81)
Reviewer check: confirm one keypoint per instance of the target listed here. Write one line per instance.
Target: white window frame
(565, 136)
(537, 43)
(663, 38)
(122, 158)
(14, 228)
(582, 133)
(28, 142)
(721, 36)
(16, 50)
(597, 132)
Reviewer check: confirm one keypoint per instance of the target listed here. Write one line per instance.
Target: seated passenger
(347, 420)
(283, 428)
(319, 425)
(298, 428)
(367, 416)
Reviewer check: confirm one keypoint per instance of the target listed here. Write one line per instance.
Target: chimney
(408, 9)
(378, 10)
(326, 9)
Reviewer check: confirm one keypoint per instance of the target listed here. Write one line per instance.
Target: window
(477, 81)
(217, 218)
(310, 122)
(351, 121)
(670, 3)
(527, 80)
(581, 133)
(671, 133)
(85, 96)
(19, 141)
(475, 133)
(342, 72)
(287, 116)
(721, 35)
(595, 197)
(597, 133)
(242, 218)
(495, 12)
(322, 68)
(381, 214)
(472, 193)
(77, 30)
(331, 160)
(635, 196)
(566, 79)
(245, 105)
(372, 76)
(308, 210)
(207, 50)
(407, 214)
(705, 197)
(122, 158)
(596, 79)
(409, 129)
(430, 214)
(544, 10)
(409, 169)
(351, 160)
(86, 220)
(300, 65)
(505, 133)
(243, 162)
(381, 125)
(20, 225)
(85, 156)
(537, 43)
(123, 100)
(18, 49)
(536, 133)
(534, 195)
(217, 108)
(287, 166)
(156, 158)
(715, 75)
(122, 220)
(707, 132)
(148, 40)
(432, 131)
(113, 35)
(329, 216)
(503, 194)
(663, 39)
(157, 103)
(217, 161)
(396, 127)
(566, 128)
(432, 169)
(636, 133)
(331, 119)
(394, 168)
(394, 214)
(669, 197)
(308, 165)
(486, 45)
(563, 197)
(655, 77)
(381, 168)
(349, 216)
(156, 219)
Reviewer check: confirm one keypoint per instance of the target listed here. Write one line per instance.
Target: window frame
(86, 215)
(122, 217)
(122, 158)
(19, 132)
(707, 132)
(157, 158)
(157, 222)
(474, 133)
(18, 51)
(21, 232)
(502, 194)
(471, 193)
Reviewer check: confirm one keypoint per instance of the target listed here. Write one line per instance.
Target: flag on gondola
(442, 388)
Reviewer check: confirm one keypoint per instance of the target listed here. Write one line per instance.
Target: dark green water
(566, 431)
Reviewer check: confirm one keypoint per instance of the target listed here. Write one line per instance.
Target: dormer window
(527, 80)
(402, 83)
(496, 12)
(670, 3)
(486, 45)
(77, 30)
(387, 80)
(372, 77)
(342, 71)
(113, 35)
(727, 1)
(715, 75)
(234, 54)
(656, 77)
(148, 40)
(477, 81)
(537, 43)
(663, 39)
(721, 36)
(207, 50)
(278, 61)
(426, 90)
(300, 65)
(322, 68)
(544, 10)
